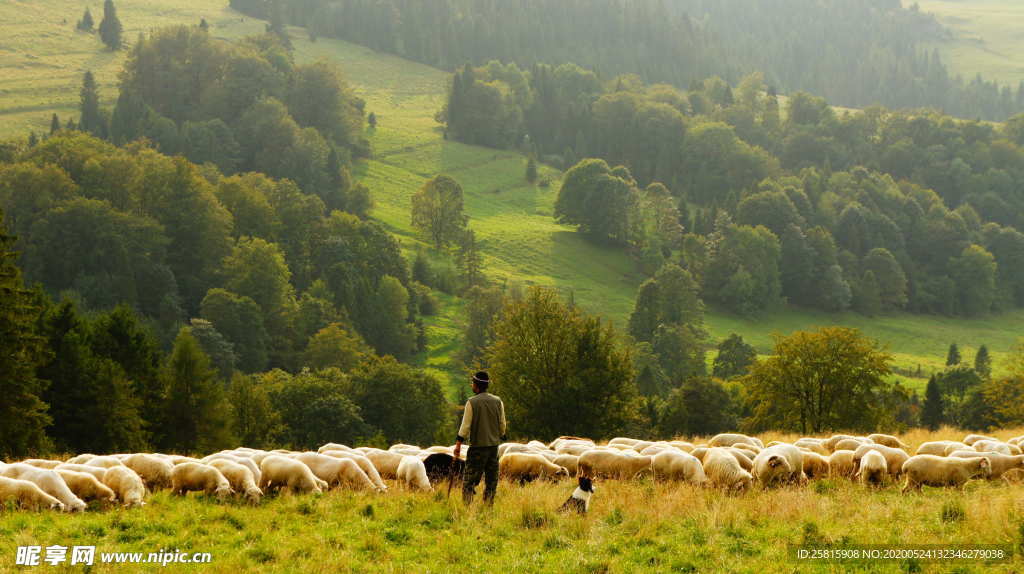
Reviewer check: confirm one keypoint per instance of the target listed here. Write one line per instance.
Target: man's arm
(464, 428)
(504, 423)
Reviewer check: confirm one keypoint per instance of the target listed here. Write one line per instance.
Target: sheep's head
(985, 467)
(223, 491)
(58, 505)
(254, 494)
(562, 472)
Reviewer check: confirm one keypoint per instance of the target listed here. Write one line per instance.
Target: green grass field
(633, 526)
(987, 37)
(40, 71)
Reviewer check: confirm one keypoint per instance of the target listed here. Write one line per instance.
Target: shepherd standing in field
(484, 427)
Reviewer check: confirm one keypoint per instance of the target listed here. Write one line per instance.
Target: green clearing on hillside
(40, 71)
(987, 37)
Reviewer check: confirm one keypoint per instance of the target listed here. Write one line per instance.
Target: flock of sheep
(729, 461)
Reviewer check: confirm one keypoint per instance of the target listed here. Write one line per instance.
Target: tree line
(853, 53)
(875, 211)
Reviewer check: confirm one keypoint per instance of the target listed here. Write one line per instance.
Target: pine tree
(276, 25)
(531, 169)
(71, 124)
(371, 120)
(54, 124)
(204, 25)
(953, 356)
(469, 259)
(932, 413)
(983, 362)
(86, 23)
(23, 416)
(110, 27)
(91, 120)
(196, 414)
(33, 139)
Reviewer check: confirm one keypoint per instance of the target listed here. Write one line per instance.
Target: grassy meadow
(633, 526)
(986, 39)
(42, 59)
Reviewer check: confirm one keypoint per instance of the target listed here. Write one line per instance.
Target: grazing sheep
(953, 446)
(939, 471)
(177, 459)
(815, 465)
(656, 448)
(104, 462)
(937, 447)
(364, 463)
(700, 452)
(335, 446)
(199, 477)
(27, 495)
(526, 467)
(970, 439)
(872, 468)
(42, 463)
(86, 486)
(336, 471)
(752, 449)
(386, 462)
(850, 444)
(126, 484)
(832, 441)
(80, 459)
(1000, 463)
(239, 477)
(154, 471)
(992, 446)
(413, 474)
(610, 464)
(565, 439)
(682, 445)
(245, 461)
(894, 457)
(623, 440)
(722, 470)
(792, 471)
(49, 481)
(96, 471)
(1016, 441)
(840, 463)
(887, 440)
(672, 464)
(570, 462)
(815, 447)
(731, 439)
(283, 472)
(574, 448)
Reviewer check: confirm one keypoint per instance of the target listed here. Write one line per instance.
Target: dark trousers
(481, 461)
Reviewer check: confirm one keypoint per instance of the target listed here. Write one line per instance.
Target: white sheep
(283, 472)
(1000, 463)
(104, 461)
(816, 465)
(198, 477)
(80, 459)
(240, 458)
(126, 484)
(873, 468)
(894, 457)
(840, 463)
(27, 495)
(336, 471)
(940, 471)
(525, 467)
(413, 474)
(154, 471)
(570, 462)
(335, 446)
(831, 442)
(970, 439)
(986, 445)
(386, 462)
(623, 440)
(672, 464)
(937, 447)
(96, 471)
(722, 469)
(239, 477)
(731, 439)
(780, 463)
(611, 464)
(49, 481)
(42, 463)
(86, 486)
(364, 463)
(887, 440)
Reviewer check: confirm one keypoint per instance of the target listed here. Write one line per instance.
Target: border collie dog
(579, 502)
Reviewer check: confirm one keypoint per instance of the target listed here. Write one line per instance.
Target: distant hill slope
(40, 71)
(986, 39)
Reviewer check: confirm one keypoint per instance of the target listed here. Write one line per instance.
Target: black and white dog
(579, 502)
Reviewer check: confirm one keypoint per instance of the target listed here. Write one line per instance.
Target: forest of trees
(852, 53)
(874, 211)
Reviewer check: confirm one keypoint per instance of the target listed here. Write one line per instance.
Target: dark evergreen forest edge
(854, 54)
(196, 266)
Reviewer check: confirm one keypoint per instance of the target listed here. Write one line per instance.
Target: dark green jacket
(483, 423)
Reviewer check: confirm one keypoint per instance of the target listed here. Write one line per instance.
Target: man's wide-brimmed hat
(481, 377)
